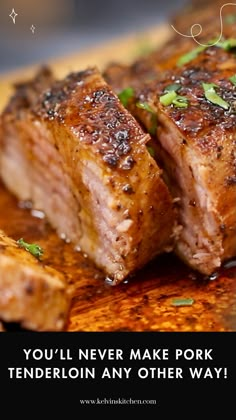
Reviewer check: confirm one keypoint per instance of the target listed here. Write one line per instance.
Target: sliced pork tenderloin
(80, 157)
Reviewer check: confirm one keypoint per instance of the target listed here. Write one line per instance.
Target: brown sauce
(143, 302)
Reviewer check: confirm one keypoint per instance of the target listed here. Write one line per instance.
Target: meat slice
(196, 145)
(31, 294)
(80, 157)
(208, 234)
(152, 66)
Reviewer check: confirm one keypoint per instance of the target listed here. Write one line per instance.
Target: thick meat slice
(197, 146)
(31, 294)
(80, 156)
(208, 235)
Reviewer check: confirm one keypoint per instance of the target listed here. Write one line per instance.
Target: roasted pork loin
(80, 157)
(195, 144)
(31, 294)
(195, 139)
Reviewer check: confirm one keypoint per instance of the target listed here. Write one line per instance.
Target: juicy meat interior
(73, 150)
(196, 146)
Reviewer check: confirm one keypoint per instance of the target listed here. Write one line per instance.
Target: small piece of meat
(31, 294)
(80, 157)
(196, 146)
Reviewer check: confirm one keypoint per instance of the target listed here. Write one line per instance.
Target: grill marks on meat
(197, 148)
(79, 156)
(31, 294)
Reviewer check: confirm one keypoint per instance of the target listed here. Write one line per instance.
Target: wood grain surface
(144, 302)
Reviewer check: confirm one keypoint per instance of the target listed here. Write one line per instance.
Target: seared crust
(31, 294)
(197, 122)
(93, 105)
(204, 144)
(91, 172)
(196, 145)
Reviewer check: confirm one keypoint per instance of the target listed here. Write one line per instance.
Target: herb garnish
(34, 249)
(167, 98)
(144, 105)
(212, 96)
(175, 87)
(170, 97)
(182, 302)
(148, 108)
(180, 102)
(125, 95)
(227, 45)
(233, 79)
(186, 58)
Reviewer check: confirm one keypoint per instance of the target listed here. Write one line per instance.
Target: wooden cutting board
(144, 302)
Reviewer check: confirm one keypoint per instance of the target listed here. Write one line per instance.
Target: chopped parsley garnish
(174, 87)
(212, 96)
(180, 102)
(227, 45)
(233, 79)
(186, 58)
(167, 98)
(145, 106)
(34, 249)
(170, 97)
(125, 95)
(182, 302)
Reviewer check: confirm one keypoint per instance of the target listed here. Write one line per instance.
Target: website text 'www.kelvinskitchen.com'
(117, 401)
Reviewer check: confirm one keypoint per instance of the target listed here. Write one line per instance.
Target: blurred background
(69, 26)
